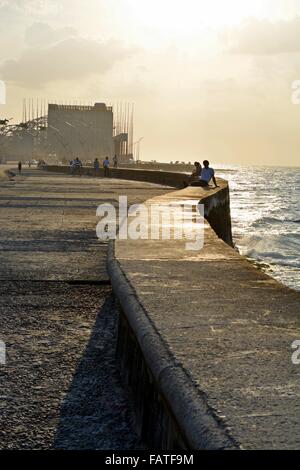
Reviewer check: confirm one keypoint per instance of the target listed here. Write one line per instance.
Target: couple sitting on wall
(202, 176)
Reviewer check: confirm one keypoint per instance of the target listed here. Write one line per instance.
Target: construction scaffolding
(123, 130)
(60, 131)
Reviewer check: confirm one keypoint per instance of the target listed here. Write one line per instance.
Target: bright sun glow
(188, 15)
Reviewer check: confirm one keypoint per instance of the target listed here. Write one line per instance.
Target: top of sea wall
(220, 224)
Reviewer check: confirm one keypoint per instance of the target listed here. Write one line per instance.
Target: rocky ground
(60, 387)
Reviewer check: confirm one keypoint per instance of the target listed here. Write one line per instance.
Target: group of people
(76, 166)
(201, 176)
(105, 165)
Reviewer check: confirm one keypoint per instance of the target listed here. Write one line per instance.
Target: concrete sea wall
(204, 338)
(151, 176)
(217, 208)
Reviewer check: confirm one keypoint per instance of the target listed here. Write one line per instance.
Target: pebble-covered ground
(60, 387)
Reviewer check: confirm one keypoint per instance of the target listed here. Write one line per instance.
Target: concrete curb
(196, 421)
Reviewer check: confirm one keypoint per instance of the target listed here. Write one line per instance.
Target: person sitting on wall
(106, 167)
(77, 165)
(196, 172)
(206, 175)
(194, 176)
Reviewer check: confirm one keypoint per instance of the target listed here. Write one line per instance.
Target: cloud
(263, 37)
(42, 34)
(71, 59)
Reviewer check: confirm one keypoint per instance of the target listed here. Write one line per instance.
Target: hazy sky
(208, 78)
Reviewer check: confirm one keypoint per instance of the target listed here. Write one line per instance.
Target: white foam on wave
(265, 219)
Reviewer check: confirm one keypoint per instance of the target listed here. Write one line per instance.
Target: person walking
(20, 167)
(106, 167)
(115, 161)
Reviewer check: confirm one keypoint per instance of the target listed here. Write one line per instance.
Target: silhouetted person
(72, 166)
(194, 176)
(206, 175)
(115, 161)
(196, 172)
(20, 167)
(106, 167)
(77, 165)
(96, 166)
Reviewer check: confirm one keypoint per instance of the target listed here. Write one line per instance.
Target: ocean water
(265, 211)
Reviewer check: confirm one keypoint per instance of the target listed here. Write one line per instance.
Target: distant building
(69, 131)
(81, 131)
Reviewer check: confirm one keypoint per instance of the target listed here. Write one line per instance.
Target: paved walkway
(48, 225)
(60, 386)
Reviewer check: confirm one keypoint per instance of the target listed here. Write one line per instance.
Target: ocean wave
(274, 221)
(266, 218)
(281, 250)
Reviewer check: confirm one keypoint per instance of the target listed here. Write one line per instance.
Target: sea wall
(204, 338)
(151, 176)
(170, 413)
(217, 205)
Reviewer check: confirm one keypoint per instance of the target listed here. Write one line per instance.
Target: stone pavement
(60, 387)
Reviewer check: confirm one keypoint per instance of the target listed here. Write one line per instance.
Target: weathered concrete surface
(48, 224)
(227, 326)
(60, 386)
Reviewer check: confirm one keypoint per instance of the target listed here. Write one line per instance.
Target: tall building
(80, 131)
